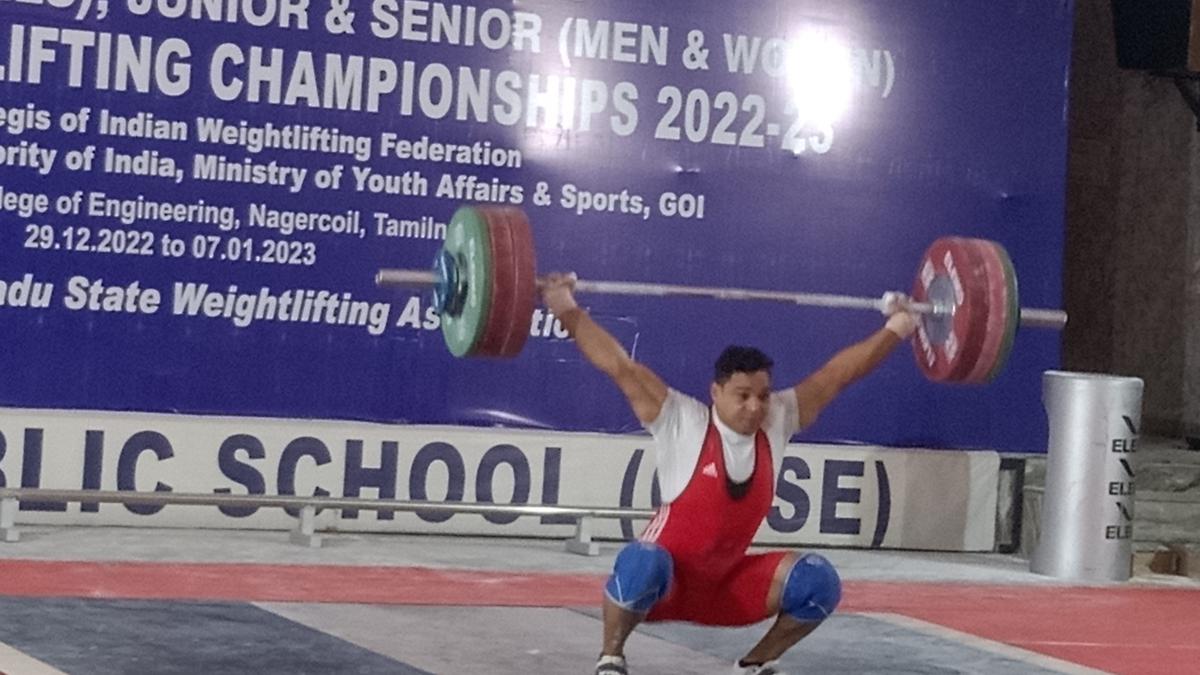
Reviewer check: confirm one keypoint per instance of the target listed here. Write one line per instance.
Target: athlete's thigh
(738, 598)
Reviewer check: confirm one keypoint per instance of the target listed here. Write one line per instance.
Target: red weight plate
(951, 272)
(997, 311)
(974, 279)
(504, 281)
(525, 289)
(1014, 311)
(514, 282)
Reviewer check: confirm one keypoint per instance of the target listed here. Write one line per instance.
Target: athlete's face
(741, 402)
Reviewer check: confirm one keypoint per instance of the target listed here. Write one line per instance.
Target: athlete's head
(741, 388)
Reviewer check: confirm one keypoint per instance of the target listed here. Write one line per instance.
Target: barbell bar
(1031, 318)
(485, 284)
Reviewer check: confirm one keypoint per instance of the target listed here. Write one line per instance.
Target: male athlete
(716, 471)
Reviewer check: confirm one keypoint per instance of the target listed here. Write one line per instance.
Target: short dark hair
(740, 359)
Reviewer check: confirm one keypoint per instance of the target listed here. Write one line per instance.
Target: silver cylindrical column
(1086, 530)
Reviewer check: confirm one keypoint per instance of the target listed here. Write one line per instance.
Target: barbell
(484, 285)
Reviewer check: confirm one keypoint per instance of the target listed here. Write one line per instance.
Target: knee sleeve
(812, 590)
(641, 576)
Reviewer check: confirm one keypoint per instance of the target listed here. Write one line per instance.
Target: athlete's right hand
(901, 320)
(558, 292)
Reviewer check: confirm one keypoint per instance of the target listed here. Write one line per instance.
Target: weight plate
(525, 266)
(997, 311)
(972, 341)
(504, 273)
(500, 307)
(1014, 311)
(467, 241)
(950, 274)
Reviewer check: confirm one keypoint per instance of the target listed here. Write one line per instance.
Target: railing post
(8, 519)
(305, 532)
(582, 543)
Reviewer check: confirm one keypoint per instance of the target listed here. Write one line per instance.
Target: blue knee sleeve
(641, 576)
(812, 590)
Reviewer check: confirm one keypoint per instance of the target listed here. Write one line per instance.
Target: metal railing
(305, 533)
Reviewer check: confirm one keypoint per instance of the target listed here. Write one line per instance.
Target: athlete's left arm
(851, 364)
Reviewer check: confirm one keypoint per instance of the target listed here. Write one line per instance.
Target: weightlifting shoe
(768, 668)
(611, 665)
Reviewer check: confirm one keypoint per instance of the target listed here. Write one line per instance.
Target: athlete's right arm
(644, 389)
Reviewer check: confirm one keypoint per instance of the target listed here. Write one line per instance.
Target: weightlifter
(716, 469)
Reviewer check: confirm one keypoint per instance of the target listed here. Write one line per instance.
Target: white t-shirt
(679, 430)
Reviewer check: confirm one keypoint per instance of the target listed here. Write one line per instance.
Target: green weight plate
(467, 241)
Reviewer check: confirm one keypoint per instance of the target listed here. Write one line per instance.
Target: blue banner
(195, 196)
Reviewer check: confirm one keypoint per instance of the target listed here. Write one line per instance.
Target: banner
(826, 495)
(195, 196)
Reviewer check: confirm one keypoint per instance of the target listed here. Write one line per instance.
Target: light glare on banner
(819, 75)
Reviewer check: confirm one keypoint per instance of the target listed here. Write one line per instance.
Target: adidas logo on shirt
(710, 470)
